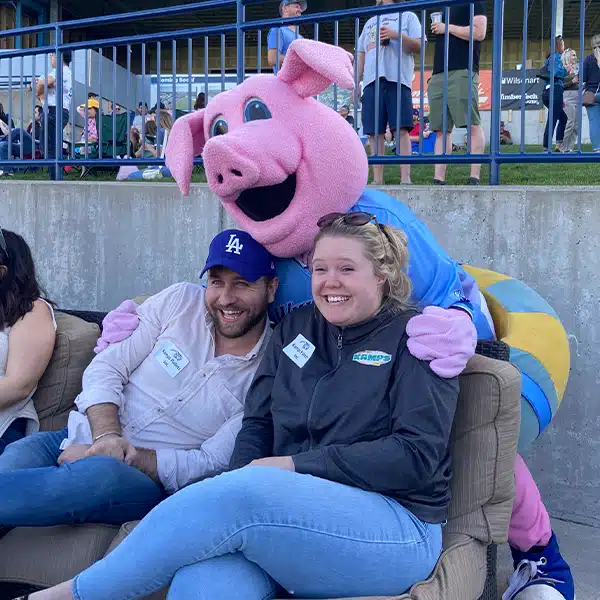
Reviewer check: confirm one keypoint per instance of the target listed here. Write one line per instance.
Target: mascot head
(277, 158)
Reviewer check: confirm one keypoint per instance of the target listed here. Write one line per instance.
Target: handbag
(544, 73)
(589, 97)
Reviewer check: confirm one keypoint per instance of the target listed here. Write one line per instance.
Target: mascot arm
(118, 325)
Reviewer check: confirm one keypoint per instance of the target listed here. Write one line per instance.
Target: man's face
(292, 10)
(235, 305)
(139, 109)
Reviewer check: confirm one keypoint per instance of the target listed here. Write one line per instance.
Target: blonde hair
(596, 47)
(386, 248)
(567, 57)
(166, 120)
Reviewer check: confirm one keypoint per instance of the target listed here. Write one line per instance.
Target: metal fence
(110, 149)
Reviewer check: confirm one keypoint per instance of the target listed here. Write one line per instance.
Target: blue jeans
(244, 533)
(14, 146)
(593, 114)
(34, 491)
(15, 431)
(559, 116)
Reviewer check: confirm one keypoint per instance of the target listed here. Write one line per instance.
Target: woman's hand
(281, 462)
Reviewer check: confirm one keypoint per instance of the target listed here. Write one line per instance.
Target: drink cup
(436, 17)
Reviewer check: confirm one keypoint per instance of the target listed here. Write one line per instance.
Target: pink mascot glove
(118, 325)
(446, 337)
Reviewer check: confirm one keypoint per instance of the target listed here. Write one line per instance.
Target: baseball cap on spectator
(416, 112)
(91, 103)
(302, 3)
(238, 251)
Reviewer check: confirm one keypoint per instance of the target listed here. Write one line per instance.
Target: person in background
(359, 491)
(47, 89)
(27, 335)
(200, 101)
(6, 123)
(91, 114)
(415, 133)
(571, 100)
(345, 113)
(505, 137)
(139, 116)
(111, 108)
(591, 84)
(457, 109)
(287, 9)
(559, 117)
(397, 44)
(33, 129)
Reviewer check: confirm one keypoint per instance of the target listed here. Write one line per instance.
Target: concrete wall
(98, 243)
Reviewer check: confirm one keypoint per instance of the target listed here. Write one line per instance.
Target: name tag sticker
(171, 359)
(300, 350)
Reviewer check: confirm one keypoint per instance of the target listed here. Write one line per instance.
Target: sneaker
(6, 173)
(473, 181)
(439, 182)
(540, 574)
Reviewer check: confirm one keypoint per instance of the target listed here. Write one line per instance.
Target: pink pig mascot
(279, 160)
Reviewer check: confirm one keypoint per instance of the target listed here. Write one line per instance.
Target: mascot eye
(256, 110)
(219, 127)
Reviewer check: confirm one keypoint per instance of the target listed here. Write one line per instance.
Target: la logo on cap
(233, 245)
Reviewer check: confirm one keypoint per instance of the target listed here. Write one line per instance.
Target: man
(142, 110)
(46, 89)
(345, 113)
(395, 44)
(459, 30)
(281, 42)
(160, 409)
(112, 109)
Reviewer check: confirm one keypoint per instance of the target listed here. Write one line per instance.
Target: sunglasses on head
(355, 219)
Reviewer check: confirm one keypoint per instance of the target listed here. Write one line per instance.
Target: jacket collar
(354, 333)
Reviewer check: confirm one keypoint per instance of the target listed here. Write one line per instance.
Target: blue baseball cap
(302, 3)
(240, 252)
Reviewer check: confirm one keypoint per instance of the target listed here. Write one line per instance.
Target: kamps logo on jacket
(372, 358)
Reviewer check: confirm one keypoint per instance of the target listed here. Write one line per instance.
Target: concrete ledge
(97, 243)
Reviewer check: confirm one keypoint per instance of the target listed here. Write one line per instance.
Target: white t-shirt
(67, 88)
(388, 55)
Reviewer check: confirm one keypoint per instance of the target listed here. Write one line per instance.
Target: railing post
(497, 33)
(240, 39)
(58, 139)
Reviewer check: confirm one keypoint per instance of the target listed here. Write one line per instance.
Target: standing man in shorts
(394, 45)
(458, 83)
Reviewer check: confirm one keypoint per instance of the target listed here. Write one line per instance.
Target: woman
(571, 100)
(345, 436)
(591, 83)
(558, 114)
(27, 333)
(33, 129)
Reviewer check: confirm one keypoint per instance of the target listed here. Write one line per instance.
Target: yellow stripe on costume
(534, 331)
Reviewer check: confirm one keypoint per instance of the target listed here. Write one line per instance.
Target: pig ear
(311, 67)
(186, 141)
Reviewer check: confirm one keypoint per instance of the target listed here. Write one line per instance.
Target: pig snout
(228, 171)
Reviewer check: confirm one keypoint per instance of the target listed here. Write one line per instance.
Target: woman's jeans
(558, 116)
(593, 113)
(16, 431)
(571, 101)
(234, 536)
(13, 146)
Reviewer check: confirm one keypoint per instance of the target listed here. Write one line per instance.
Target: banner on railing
(485, 90)
(511, 90)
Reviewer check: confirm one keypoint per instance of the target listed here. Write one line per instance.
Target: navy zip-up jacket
(353, 406)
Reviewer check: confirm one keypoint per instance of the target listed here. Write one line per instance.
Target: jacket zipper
(312, 400)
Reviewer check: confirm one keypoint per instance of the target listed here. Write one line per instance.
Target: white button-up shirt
(174, 395)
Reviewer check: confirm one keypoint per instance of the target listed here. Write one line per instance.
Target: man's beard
(237, 329)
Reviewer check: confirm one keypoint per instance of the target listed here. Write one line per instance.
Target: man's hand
(438, 28)
(144, 460)
(72, 453)
(111, 445)
(385, 33)
(281, 462)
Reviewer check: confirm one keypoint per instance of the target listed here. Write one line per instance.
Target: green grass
(558, 174)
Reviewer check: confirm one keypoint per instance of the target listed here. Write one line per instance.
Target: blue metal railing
(241, 28)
